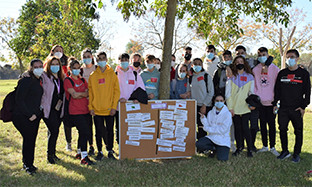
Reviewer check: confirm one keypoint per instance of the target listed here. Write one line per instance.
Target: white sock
(101, 152)
(84, 154)
(78, 151)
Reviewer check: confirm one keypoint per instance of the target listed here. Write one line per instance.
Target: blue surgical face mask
(291, 62)
(38, 71)
(124, 65)
(219, 104)
(87, 61)
(262, 59)
(76, 72)
(210, 56)
(150, 66)
(197, 68)
(228, 62)
(102, 64)
(243, 56)
(55, 68)
(182, 75)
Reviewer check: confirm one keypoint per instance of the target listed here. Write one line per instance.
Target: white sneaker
(68, 147)
(273, 150)
(263, 149)
(233, 147)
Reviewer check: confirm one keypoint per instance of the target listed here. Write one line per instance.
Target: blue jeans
(205, 144)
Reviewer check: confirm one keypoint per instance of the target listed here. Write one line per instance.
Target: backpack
(66, 105)
(205, 79)
(6, 114)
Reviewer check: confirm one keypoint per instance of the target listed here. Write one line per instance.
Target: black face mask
(240, 66)
(136, 64)
(187, 56)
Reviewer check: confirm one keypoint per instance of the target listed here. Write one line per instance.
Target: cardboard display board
(159, 129)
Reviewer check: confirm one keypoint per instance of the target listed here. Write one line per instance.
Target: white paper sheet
(167, 143)
(180, 117)
(165, 149)
(148, 129)
(168, 126)
(146, 116)
(132, 106)
(134, 143)
(166, 136)
(171, 107)
(133, 133)
(146, 136)
(181, 131)
(181, 104)
(158, 105)
(180, 139)
(182, 144)
(148, 123)
(134, 116)
(134, 137)
(134, 123)
(166, 115)
(165, 131)
(180, 112)
(180, 123)
(137, 129)
(177, 148)
(167, 121)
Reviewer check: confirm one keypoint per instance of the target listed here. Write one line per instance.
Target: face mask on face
(172, 63)
(228, 62)
(87, 61)
(157, 66)
(197, 68)
(124, 65)
(38, 71)
(102, 64)
(55, 68)
(291, 62)
(219, 104)
(182, 75)
(150, 66)
(210, 56)
(243, 56)
(136, 64)
(187, 56)
(76, 72)
(240, 66)
(262, 59)
(58, 54)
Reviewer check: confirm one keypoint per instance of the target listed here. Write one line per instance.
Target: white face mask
(58, 54)
(172, 63)
(157, 66)
(38, 71)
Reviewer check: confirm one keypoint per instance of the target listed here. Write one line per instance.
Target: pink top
(265, 82)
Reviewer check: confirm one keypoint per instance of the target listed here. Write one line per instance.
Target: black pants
(242, 130)
(284, 116)
(254, 127)
(82, 124)
(53, 123)
(67, 129)
(267, 116)
(201, 133)
(29, 131)
(105, 132)
(117, 126)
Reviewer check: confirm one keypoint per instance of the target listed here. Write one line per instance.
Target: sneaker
(86, 161)
(51, 159)
(78, 156)
(284, 155)
(91, 150)
(99, 156)
(32, 167)
(274, 152)
(233, 147)
(237, 152)
(263, 149)
(295, 159)
(212, 154)
(30, 170)
(111, 155)
(249, 154)
(68, 147)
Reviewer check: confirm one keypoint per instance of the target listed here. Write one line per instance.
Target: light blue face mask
(197, 68)
(150, 66)
(262, 59)
(124, 65)
(38, 71)
(219, 104)
(76, 72)
(87, 61)
(243, 56)
(210, 56)
(291, 62)
(228, 62)
(102, 64)
(182, 75)
(55, 68)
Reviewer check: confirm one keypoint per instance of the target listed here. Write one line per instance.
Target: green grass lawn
(261, 170)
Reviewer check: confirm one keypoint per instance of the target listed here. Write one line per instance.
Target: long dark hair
(247, 68)
(47, 69)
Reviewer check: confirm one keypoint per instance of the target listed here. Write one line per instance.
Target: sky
(122, 30)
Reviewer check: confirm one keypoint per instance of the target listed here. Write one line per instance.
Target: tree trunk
(164, 85)
(21, 66)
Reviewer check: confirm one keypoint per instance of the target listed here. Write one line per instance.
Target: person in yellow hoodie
(104, 94)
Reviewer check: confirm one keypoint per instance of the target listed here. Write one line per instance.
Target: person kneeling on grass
(218, 124)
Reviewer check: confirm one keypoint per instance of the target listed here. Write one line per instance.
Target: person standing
(27, 112)
(237, 89)
(211, 61)
(52, 102)
(104, 93)
(178, 86)
(136, 62)
(292, 89)
(264, 87)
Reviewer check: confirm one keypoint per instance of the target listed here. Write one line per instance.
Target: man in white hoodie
(218, 124)
(211, 61)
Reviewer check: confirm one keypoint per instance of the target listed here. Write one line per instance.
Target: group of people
(230, 95)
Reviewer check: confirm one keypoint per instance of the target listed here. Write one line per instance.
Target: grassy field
(261, 170)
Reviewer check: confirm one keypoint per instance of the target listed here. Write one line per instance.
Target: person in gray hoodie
(200, 87)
